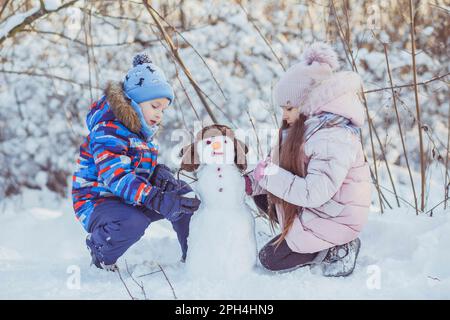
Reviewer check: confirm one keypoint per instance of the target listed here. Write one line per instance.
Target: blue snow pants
(115, 226)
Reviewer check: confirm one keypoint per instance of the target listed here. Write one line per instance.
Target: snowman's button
(220, 176)
(220, 189)
(218, 169)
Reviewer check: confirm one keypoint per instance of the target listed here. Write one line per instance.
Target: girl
(316, 179)
(118, 188)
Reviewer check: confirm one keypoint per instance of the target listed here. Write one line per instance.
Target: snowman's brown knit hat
(190, 160)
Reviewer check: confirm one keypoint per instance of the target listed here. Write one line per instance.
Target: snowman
(221, 238)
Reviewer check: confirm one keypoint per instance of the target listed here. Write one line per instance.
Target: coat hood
(114, 106)
(337, 94)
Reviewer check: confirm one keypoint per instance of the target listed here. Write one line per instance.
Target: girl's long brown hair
(291, 158)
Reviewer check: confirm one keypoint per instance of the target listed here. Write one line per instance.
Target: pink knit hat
(313, 85)
(317, 63)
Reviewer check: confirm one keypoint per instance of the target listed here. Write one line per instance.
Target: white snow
(402, 256)
(52, 5)
(44, 214)
(14, 21)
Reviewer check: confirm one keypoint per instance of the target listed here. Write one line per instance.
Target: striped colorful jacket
(115, 159)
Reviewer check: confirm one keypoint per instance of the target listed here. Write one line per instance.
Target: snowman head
(216, 150)
(215, 144)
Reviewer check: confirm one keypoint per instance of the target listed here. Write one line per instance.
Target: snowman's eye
(225, 141)
(208, 141)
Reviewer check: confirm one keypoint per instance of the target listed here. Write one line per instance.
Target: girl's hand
(258, 174)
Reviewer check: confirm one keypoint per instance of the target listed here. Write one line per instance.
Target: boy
(118, 188)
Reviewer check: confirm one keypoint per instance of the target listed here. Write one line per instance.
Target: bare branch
(196, 52)
(410, 85)
(256, 134)
(168, 281)
(440, 7)
(32, 18)
(446, 183)
(148, 274)
(99, 45)
(250, 19)
(416, 96)
(140, 285)
(124, 284)
(400, 128)
(34, 74)
(88, 54)
(175, 53)
(350, 58)
(437, 205)
(5, 4)
(187, 96)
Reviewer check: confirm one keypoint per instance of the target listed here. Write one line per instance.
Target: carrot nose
(216, 145)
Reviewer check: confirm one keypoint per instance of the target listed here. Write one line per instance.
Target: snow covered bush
(54, 66)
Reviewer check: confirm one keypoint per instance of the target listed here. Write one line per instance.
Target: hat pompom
(321, 52)
(141, 58)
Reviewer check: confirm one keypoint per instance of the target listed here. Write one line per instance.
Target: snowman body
(221, 239)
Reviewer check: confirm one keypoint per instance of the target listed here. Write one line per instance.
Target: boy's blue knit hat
(145, 81)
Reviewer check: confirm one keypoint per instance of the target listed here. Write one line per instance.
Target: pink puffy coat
(336, 191)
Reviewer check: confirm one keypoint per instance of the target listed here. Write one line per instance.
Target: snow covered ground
(43, 256)
(42, 251)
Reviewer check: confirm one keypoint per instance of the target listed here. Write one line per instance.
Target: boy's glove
(183, 187)
(170, 204)
(163, 178)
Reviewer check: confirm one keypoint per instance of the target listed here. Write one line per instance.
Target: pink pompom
(321, 52)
